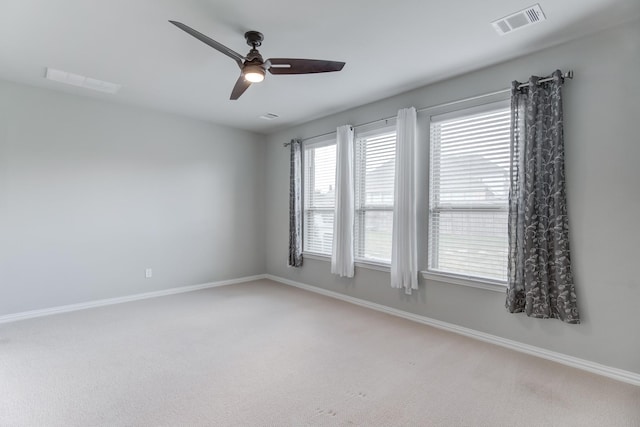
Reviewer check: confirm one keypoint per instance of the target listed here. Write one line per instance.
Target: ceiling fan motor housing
(254, 56)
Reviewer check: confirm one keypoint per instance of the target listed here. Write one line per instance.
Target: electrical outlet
(148, 273)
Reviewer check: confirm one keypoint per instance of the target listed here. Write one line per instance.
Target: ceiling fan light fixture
(254, 68)
(253, 73)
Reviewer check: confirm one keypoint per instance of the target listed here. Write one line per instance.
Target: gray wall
(92, 193)
(602, 110)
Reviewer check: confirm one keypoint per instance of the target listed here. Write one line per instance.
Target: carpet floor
(265, 354)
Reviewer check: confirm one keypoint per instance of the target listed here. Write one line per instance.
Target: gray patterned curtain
(540, 279)
(295, 204)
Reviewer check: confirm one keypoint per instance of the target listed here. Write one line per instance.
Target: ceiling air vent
(526, 17)
(269, 116)
(81, 81)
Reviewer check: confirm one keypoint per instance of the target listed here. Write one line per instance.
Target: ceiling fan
(253, 67)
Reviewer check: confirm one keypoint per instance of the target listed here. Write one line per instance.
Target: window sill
(465, 281)
(319, 257)
(370, 265)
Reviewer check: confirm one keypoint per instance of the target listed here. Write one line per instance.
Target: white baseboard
(109, 301)
(574, 362)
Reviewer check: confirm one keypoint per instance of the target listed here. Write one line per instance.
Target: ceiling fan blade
(302, 66)
(241, 85)
(211, 42)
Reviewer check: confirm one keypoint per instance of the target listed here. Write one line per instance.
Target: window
(319, 162)
(469, 190)
(374, 180)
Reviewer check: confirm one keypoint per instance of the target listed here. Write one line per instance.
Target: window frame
(360, 205)
(305, 209)
(432, 244)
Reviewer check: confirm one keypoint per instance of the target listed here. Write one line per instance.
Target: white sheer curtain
(404, 245)
(342, 254)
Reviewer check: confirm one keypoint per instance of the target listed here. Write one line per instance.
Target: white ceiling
(389, 48)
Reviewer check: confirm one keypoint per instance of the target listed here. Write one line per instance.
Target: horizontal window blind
(319, 196)
(374, 180)
(469, 190)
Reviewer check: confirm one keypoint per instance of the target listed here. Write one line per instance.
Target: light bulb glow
(254, 77)
(253, 73)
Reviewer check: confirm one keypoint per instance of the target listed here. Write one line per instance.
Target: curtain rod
(567, 75)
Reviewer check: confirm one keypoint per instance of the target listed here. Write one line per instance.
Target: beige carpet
(264, 354)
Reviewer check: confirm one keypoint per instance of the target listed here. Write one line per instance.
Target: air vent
(81, 81)
(524, 18)
(269, 116)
